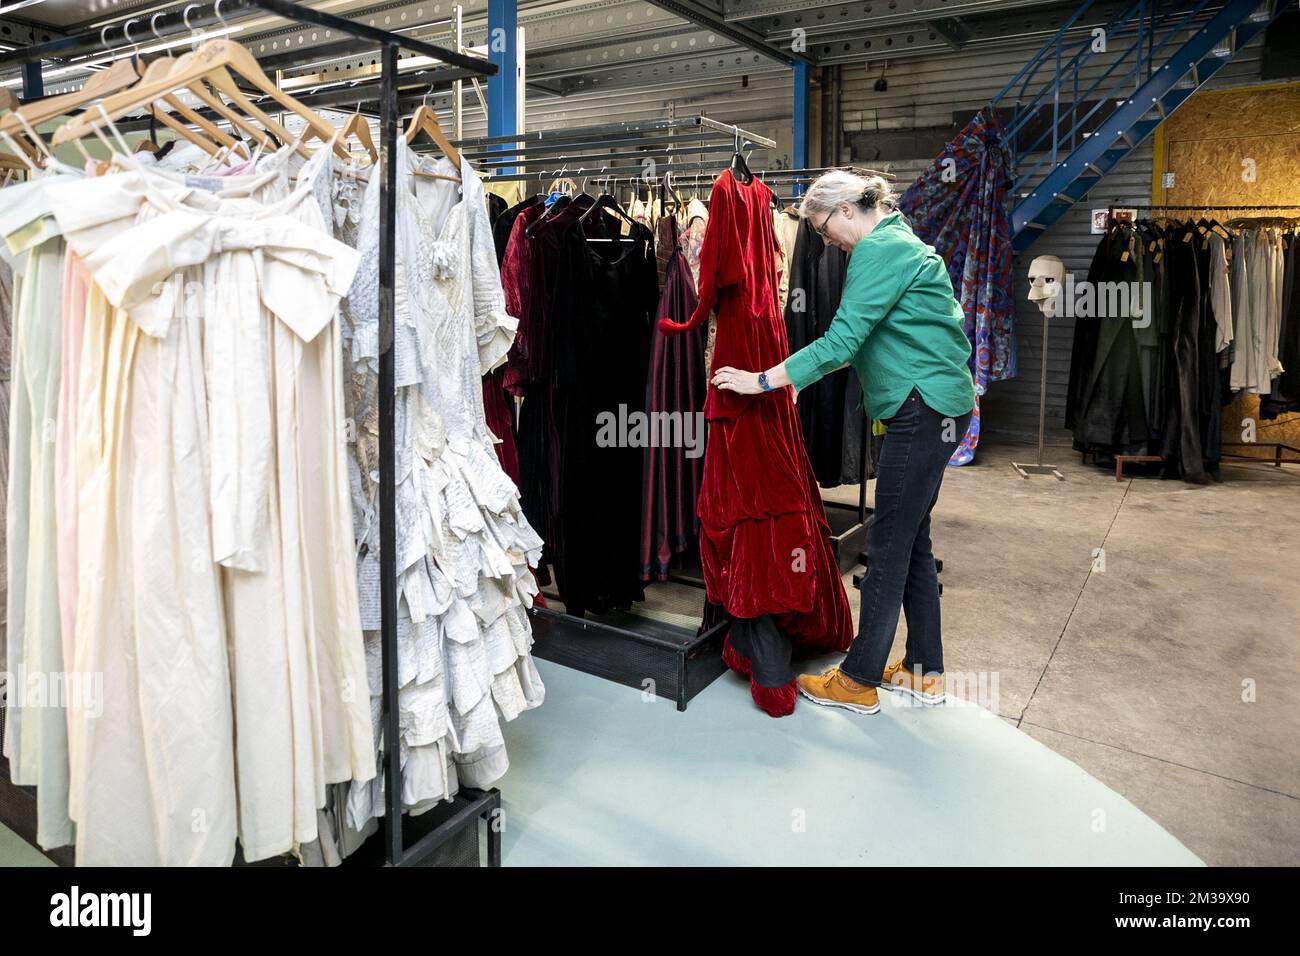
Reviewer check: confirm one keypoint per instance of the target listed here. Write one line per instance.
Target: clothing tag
(1159, 256)
(1205, 243)
(1124, 256)
(1187, 238)
(210, 183)
(1151, 247)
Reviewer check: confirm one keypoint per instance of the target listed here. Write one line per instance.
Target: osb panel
(1283, 430)
(1205, 143)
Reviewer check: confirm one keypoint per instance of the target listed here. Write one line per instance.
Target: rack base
(848, 533)
(1028, 470)
(655, 657)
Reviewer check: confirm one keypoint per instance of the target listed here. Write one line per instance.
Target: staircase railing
(1137, 40)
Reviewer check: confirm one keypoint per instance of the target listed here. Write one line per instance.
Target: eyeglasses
(821, 230)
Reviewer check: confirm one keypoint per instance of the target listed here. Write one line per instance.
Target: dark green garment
(898, 325)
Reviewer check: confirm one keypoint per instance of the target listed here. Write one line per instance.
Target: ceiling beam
(16, 32)
(844, 17)
(710, 15)
(953, 31)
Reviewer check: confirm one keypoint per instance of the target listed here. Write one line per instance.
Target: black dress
(604, 299)
(830, 411)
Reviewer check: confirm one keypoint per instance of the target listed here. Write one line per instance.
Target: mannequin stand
(1038, 468)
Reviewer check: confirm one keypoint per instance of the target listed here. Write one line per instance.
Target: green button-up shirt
(898, 325)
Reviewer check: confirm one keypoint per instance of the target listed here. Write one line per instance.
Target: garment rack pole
(1111, 210)
(387, 453)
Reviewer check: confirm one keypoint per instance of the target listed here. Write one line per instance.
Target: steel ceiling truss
(774, 17)
(711, 15)
(549, 36)
(15, 32)
(909, 40)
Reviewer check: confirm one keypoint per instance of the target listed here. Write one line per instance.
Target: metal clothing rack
(471, 804)
(1112, 210)
(648, 148)
(787, 184)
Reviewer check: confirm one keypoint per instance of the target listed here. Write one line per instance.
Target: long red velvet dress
(764, 540)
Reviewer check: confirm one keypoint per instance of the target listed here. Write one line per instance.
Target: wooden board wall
(1206, 144)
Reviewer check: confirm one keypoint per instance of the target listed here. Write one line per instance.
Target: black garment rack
(478, 804)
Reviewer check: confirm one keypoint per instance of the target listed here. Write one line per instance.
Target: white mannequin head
(1045, 276)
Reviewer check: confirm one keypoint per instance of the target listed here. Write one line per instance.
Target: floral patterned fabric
(958, 205)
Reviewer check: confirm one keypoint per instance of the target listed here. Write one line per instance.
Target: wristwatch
(763, 383)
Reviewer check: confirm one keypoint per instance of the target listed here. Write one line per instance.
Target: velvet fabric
(764, 541)
(674, 465)
(582, 294)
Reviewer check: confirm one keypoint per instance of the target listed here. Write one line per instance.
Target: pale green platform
(601, 776)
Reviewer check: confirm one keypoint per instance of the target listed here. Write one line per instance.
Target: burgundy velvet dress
(764, 540)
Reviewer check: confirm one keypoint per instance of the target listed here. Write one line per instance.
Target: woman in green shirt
(899, 326)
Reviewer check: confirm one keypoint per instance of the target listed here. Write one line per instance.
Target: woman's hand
(734, 380)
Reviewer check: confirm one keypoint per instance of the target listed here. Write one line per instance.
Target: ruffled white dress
(464, 545)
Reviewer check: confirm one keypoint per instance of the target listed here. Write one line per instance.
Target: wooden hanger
(564, 185)
(164, 67)
(212, 62)
(218, 106)
(358, 126)
(160, 68)
(119, 76)
(425, 120)
(10, 162)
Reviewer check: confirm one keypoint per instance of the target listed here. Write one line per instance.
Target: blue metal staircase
(1097, 105)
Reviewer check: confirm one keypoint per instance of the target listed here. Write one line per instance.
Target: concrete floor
(1145, 629)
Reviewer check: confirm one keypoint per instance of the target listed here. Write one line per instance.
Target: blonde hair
(839, 186)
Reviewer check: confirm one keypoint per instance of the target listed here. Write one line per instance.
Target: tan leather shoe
(927, 688)
(834, 689)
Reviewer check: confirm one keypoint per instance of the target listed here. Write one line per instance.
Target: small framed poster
(1101, 218)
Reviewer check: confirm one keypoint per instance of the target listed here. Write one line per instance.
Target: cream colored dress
(35, 728)
(215, 593)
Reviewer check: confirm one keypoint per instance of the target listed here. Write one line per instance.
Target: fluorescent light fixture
(17, 5)
(123, 53)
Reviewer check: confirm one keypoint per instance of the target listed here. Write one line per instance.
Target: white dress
(464, 545)
(35, 728)
(213, 526)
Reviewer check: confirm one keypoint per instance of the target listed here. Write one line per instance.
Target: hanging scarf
(958, 205)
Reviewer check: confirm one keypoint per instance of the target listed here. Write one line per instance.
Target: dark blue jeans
(900, 562)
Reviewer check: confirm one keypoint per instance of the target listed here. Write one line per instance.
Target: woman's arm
(746, 383)
(876, 279)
